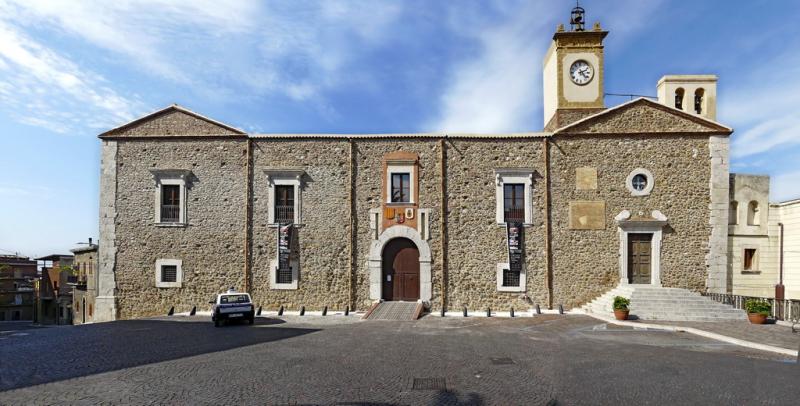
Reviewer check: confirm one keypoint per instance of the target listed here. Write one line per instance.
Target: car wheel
(251, 320)
(216, 323)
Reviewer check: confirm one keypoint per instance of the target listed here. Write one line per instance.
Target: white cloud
(500, 89)
(38, 84)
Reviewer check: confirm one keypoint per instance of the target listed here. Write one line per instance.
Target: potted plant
(757, 310)
(621, 307)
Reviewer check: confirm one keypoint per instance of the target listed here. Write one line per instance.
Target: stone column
(717, 257)
(106, 301)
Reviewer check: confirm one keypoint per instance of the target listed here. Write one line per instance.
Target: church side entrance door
(639, 258)
(400, 270)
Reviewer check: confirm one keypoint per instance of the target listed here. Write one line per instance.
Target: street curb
(698, 332)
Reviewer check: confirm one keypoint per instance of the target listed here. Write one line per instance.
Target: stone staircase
(671, 304)
(394, 311)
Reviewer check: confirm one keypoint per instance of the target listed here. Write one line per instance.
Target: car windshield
(234, 299)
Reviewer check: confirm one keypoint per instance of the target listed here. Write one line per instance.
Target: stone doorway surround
(640, 225)
(376, 260)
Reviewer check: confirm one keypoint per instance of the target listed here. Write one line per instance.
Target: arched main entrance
(375, 263)
(400, 270)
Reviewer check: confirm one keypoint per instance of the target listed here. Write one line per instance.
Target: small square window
(510, 278)
(169, 273)
(401, 187)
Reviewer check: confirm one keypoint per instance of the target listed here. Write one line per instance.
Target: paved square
(548, 359)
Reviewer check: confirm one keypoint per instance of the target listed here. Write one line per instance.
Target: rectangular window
(401, 188)
(170, 203)
(510, 278)
(169, 273)
(514, 202)
(749, 259)
(284, 204)
(283, 275)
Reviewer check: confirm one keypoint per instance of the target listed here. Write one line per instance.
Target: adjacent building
(85, 287)
(763, 240)
(55, 289)
(17, 280)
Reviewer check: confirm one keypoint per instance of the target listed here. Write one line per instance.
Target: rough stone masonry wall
(369, 175)
(476, 242)
(586, 262)
(211, 246)
(324, 236)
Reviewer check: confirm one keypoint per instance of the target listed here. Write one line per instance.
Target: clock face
(581, 72)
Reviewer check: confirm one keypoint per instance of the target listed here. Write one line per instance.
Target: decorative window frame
(285, 176)
(178, 275)
(393, 167)
(650, 182)
(513, 175)
(180, 177)
(273, 271)
(522, 279)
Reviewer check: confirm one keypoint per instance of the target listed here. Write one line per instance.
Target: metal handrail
(785, 310)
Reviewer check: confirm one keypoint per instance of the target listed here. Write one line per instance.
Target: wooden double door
(640, 258)
(400, 270)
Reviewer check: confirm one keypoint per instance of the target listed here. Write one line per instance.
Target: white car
(232, 305)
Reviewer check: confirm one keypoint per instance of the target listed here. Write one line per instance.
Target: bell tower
(573, 73)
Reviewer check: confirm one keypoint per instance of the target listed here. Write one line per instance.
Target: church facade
(637, 193)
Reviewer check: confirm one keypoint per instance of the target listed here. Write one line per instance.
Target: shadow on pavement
(56, 354)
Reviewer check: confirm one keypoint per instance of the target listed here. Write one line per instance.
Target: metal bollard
(442, 311)
(302, 310)
(538, 309)
(194, 311)
(512, 312)
(347, 310)
(280, 311)
(560, 309)
(465, 311)
(325, 311)
(171, 311)
(488, 312)
(258, 313)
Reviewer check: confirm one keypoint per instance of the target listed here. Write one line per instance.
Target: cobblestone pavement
(770, 334)
(543, 360)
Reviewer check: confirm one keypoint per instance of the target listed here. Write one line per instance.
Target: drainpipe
(548, 278)
(248, 207)
(353, 224)
(443, 219)
(779, 288)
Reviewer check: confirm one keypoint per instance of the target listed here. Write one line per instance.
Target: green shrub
(621, 303)
(757, 306)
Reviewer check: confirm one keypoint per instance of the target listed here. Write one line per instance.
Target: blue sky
(71, 69)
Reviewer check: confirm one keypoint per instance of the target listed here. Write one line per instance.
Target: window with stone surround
(640, 182)
(169, 273)
(284, 192)
(513, 190)
(171, 193)
(750, 260)
(401, 187)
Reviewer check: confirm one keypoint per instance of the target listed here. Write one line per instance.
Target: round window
(639, 182)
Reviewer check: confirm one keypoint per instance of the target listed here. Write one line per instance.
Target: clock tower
(573, 73)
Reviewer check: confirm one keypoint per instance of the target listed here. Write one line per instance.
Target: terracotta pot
(757, 318)
(620, 314)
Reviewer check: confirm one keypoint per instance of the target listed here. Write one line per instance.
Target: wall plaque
(586, 178)
(587, 215)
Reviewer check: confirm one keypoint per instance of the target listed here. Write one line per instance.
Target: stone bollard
(512, 312)
(258, 313)
(465, 311)
(280, 311)
(488, 312)
(302, 310)
(560, 309)
(325, 311)
(347, 310)
(171, 311)
(443, 312)
(194, 311)
(538, 309)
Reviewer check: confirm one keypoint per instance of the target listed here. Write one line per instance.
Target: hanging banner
(515, 245)
(284, 247)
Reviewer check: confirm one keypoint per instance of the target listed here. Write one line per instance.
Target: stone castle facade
(637, 193)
